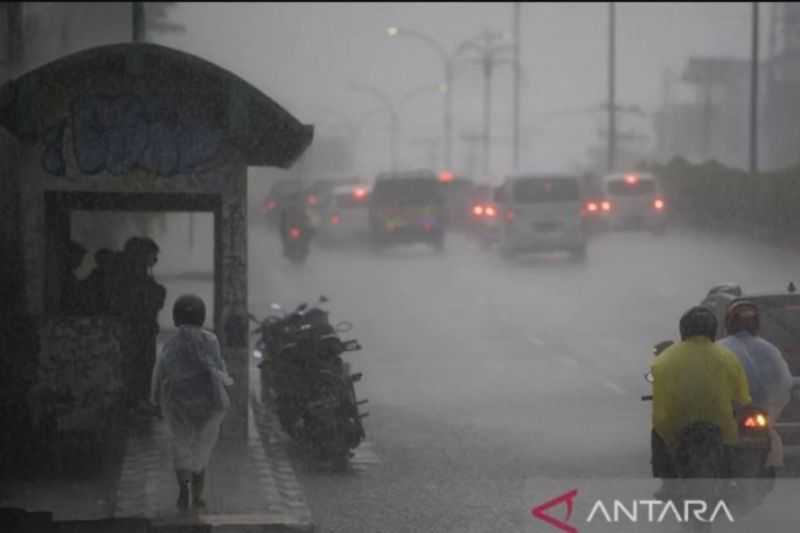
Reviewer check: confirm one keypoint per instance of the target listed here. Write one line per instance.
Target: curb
(264, 430)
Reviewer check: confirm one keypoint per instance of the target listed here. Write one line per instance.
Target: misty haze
(399, 267)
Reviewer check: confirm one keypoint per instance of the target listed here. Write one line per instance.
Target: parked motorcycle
(699, 460)
(310, 387)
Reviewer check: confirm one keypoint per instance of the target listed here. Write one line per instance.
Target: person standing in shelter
(73, 290)
(137, 301)
(188, 385)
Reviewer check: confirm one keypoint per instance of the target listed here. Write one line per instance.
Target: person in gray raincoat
(188, 384)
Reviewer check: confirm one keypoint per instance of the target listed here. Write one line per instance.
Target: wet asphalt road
(484, 374)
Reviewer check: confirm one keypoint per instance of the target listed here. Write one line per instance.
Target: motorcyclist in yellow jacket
(694, 380)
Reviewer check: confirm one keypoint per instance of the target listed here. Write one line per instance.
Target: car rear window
(535, 191)
(780, 324)
(283, 188)
(623, 188)
(407, 192)
(350, 201)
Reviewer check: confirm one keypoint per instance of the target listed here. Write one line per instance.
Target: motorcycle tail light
(295, 233)
(755, 421)
(658, 204)
(335, 219)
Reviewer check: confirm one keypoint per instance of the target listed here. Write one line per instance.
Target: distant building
(781, 112)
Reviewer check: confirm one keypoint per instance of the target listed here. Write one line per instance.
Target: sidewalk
(250, 486)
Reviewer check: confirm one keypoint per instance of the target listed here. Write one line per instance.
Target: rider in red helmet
(768, 374)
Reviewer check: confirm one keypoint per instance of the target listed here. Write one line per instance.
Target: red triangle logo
(567, 497)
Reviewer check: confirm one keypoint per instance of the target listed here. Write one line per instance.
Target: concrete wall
(11, 269)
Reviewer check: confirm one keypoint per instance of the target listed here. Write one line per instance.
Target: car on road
(542, 213)
(458, 192)
(319, 197)
(407, 208)
(345, 216)
(484, 215)
(636, 201)
(780, 325)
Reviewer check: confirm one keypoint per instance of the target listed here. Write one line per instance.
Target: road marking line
(535, 340)
(614, 387)
(569, 361)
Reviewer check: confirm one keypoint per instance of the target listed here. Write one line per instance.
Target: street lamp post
(489, 53)
(447, 94)
(393, 108)
(387, 103)
(754, 93)
(516, 95)
(612, 124)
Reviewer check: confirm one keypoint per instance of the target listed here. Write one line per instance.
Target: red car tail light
(477, 210)
(490, 211)
(312, 200)
(606, 206)
(659, 204)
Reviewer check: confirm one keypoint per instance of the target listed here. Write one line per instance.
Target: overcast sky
(305, 55)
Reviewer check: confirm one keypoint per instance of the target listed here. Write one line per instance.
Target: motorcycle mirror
(351, 346)
(649, 377)
(323, 299)
(344, 327)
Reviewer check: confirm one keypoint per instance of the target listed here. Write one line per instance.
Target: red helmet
(742, 315)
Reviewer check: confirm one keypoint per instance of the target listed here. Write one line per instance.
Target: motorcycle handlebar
(647, 398)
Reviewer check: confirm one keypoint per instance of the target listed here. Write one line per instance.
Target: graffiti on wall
(116, 134)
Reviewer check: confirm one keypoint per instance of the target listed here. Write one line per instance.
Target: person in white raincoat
(188, 384)
(768, 374)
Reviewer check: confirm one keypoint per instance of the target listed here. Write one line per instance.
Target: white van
(636, 201)
(345, 217)
(541, 213)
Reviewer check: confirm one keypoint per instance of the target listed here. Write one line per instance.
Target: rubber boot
(198, 484)
(183, 485)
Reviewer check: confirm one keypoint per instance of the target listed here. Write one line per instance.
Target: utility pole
(612, 124)
(448, 114)
(15, 43)
(754, 95)
(138, 22)
(708, 116)
(487, 112)
(516, 117)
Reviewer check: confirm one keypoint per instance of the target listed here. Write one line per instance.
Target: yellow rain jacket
(697, 381)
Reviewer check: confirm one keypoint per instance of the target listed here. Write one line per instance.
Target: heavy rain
(399, 267)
